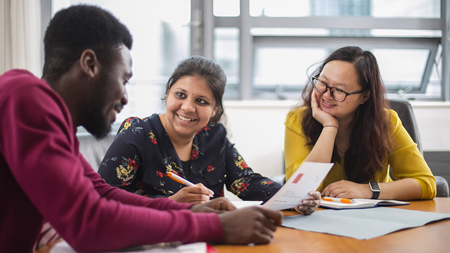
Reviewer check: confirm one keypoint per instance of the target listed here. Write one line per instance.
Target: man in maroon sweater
(46, 183)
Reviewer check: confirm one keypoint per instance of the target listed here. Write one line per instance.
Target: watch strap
(375, 195)
(375, 192)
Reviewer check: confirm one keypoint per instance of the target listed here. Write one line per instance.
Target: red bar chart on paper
(297, 178)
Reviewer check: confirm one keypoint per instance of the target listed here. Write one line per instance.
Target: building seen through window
(284, 55)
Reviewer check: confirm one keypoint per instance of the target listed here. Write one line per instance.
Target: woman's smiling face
(342, 75)
(189, 106)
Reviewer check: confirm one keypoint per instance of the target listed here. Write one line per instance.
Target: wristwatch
(375, 188)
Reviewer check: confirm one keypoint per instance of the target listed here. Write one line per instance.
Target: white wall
(257, 129)
(433, 119)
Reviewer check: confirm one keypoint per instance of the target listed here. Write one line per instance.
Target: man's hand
(217, 205)
(249, 225)
(192, 194)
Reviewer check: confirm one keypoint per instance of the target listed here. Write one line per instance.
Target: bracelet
(330, 126)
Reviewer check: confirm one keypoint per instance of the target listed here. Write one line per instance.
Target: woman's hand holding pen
(193, 193)
(309, 206)
(196, 194)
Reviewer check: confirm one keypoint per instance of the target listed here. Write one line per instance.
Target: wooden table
(433, 237)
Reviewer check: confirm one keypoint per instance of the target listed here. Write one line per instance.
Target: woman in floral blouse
(187, 140)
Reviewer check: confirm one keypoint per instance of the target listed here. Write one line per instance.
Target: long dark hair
(208, 70)
(370, 137)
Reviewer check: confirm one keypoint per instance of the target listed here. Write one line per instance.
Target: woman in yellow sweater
(344, 118)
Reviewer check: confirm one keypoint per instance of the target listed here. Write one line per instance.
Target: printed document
(305, 179)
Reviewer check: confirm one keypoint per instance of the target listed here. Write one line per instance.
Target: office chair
(406, 115)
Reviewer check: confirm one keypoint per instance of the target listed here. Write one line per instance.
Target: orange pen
(181, 180)
(346, 201)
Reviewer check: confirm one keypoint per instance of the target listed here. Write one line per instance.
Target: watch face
(374, 186)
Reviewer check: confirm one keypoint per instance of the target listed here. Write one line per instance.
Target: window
(161, 35)
(268, 48)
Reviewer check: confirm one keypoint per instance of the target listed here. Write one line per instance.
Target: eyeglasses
(336, 93)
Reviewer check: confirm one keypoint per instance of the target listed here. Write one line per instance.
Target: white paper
(246, 203)
(305, 179)
(362, 223)
(199, 247)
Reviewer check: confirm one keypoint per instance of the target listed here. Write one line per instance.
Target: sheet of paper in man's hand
(307, 178)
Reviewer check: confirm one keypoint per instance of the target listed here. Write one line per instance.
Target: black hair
(206, 69)
(77, 28)
(371, 137)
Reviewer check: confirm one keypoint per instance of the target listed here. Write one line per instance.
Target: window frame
(244, 22)
(430, 44)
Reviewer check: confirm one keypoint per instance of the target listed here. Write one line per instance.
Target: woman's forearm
(323, 149)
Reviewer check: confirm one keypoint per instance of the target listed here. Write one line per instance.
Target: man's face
(109, 95)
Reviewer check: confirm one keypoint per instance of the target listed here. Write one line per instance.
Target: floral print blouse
(142, 154)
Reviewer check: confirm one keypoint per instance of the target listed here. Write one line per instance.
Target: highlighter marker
(345, 201)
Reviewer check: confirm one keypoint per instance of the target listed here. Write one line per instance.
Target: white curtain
(20, 35)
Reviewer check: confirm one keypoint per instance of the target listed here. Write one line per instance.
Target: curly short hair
(77, 28)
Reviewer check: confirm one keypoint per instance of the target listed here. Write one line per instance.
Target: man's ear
(89, 63)
(365, 97)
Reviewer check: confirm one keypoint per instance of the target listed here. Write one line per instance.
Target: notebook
(359, 203)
